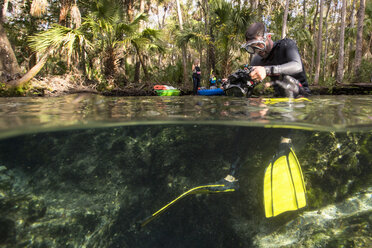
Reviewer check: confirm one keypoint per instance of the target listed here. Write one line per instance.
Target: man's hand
(258, 73)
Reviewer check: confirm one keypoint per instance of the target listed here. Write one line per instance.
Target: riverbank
(70, 84)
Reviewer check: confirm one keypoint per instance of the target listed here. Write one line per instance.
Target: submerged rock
(338, 225)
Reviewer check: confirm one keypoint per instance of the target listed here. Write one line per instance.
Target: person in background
(279, 60)
(196, 75)
(212, 81)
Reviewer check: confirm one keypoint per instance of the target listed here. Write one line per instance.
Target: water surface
(337, 113)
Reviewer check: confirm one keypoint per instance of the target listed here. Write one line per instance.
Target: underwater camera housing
(240, 83)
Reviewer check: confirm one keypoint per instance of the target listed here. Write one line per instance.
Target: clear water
(84, 170)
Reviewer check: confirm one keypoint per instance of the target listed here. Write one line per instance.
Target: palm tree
(148, 38)
(230, 23)
(9, 64)
(47, 42)
(38, 8)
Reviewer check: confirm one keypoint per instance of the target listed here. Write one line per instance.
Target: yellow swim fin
(284, 99)
(219, 187)
(284, 187)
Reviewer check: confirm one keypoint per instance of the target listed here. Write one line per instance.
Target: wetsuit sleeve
(256, 61)
(292, 67)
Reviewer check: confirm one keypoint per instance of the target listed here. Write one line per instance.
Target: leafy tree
(103, 35)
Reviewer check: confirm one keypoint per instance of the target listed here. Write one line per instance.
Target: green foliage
(107, 37)
(171, 74)
(365, 75)
(328, 82)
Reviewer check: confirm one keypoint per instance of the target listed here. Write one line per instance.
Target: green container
(173, 92)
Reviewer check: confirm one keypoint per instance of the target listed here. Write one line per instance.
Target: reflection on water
(321, 113)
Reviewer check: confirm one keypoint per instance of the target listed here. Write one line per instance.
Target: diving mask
(255, 46)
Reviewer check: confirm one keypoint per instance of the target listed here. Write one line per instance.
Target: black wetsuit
(283, 65)
(196, 79)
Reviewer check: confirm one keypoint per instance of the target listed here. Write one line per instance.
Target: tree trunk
(201, 59)
(352, 24)
(226, 67)
(254, 4)
(130, 10)
(165, 14)
(30, 74)
(137, 70)
(184, 52)
(326, 41)
(319, 44)
(304, 10)
(142, 63)
(211, 49)
(211, 64)
(359, 39)
(284, 28)
(64, 10)
(340, 66)
(205, 8)
(32, 61)
(314, 33)
(304, 28)
(8, 61)
(333, 40)
(4, 10)
(82, 62)
(209, 32)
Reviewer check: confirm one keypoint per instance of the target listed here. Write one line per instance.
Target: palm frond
(186, 36)
(156, 47)
(140, 41)
(123, 28)
(138, 19)
(151, 34)
(58, 37)
(107, 10)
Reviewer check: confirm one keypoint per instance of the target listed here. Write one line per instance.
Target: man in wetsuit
(279, 60)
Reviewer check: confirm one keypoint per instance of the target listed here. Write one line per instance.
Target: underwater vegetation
(89, 188)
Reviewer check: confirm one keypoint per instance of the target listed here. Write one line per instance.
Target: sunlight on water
(331, 113)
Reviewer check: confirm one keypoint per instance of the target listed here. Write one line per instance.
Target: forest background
(111, 44)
